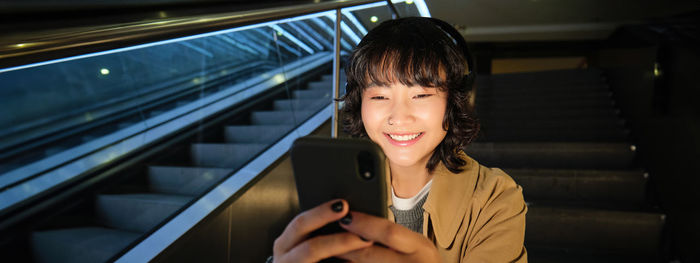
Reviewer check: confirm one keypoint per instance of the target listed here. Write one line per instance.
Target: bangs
(394, 67)
(413, 55)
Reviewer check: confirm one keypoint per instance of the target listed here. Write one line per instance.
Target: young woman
(408, 91)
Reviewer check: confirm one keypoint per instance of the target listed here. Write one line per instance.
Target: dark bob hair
(414, 51)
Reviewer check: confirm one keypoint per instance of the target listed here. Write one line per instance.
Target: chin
(405, 161)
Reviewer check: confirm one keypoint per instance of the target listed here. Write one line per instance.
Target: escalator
(126, 211)
(560, 136)
(141, 136)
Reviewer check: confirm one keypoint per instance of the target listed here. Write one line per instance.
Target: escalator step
(326, 83)
(611, 188)
(156, 113)
(320, 85)
(313, 94)
(190, 181)
(87, 244)
(634, 233)
(279, 117)
(183, 103)
(231, 156)
(125, 125)
(137, 212)
(255, 133)
(53, 150)
(300, 104)
(553, 155)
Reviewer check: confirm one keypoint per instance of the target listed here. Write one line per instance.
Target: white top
(409, 203)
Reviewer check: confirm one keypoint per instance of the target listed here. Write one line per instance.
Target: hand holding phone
(350, 169)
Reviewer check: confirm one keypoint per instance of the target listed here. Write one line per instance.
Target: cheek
(434, 115)
(368, 119)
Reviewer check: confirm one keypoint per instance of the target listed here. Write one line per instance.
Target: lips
(403, 139)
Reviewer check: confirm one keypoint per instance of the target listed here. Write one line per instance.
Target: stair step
(601, 116)
(313, 94)
(572, 255)
(279, 117)
(231, 156)
(558, 135)
(553, 155)
(635, 233)
(300, 104)
(255, 133)
(562, 113)
(543, 97)
(137, 212)
(609, 188)
(546, 77)
(87, 244)
(190, 181)
(496, 105)
(543, 89)
(547, 126)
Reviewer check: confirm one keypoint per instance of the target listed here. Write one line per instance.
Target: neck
(407, 181)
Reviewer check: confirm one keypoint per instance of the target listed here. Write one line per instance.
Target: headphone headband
(461, 44)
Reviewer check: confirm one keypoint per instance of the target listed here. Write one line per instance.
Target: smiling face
(406, 122)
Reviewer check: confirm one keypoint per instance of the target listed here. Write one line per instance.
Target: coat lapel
(449, 199)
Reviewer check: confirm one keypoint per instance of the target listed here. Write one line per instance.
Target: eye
(378, 98)
(421, 96)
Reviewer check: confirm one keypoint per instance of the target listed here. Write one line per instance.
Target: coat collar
(448, 199)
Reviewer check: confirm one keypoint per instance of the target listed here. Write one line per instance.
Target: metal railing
(31, 47)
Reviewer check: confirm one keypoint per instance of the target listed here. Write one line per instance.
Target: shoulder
(494, 183)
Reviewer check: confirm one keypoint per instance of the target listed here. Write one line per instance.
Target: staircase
(126, 213)
(560, 137)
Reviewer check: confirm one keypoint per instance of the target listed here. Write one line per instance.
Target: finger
(320, 247)
(386, 232)
(308, 221)
(372, 254)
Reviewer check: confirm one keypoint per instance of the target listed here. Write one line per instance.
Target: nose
(401, 114)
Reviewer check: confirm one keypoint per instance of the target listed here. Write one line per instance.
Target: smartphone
(329, 168)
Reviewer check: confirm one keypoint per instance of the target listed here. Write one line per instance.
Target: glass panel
(75, 114)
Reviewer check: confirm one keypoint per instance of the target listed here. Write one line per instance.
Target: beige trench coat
(477, 215)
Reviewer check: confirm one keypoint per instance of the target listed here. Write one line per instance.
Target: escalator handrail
(17, 50)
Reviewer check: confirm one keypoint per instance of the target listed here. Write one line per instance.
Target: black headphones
(461, 44)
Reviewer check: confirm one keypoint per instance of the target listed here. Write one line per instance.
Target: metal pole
(336, 74)
(392, 8)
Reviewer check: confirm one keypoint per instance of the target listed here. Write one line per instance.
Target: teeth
(404, 137)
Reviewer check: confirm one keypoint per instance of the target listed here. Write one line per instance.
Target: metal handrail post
(336, 74)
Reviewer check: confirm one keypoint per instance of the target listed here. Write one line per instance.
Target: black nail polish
(337, 206)
(346, 220)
